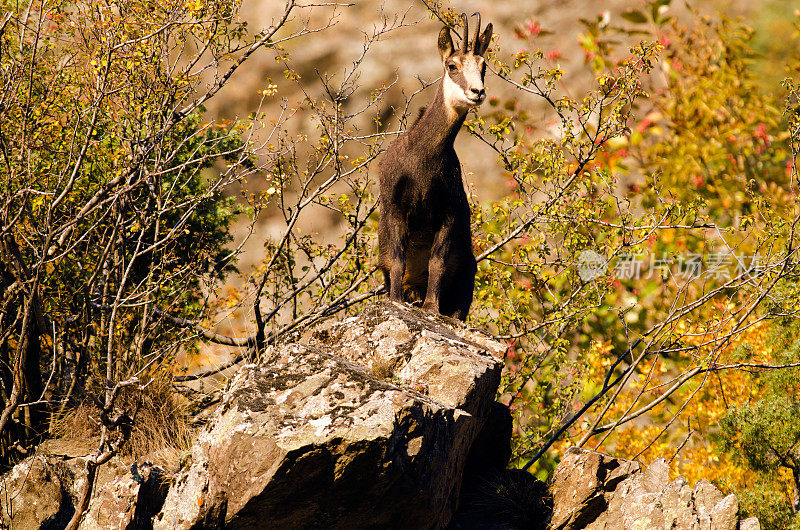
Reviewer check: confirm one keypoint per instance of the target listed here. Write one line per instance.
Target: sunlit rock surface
(365, 422)
(595, 491)
(384, 420)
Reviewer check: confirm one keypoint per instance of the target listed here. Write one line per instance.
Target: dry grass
(161, 432)
(382, 368)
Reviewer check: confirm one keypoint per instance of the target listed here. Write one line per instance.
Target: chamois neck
(438, 126)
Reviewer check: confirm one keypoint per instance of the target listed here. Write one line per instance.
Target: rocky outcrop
(365, 422)
(128, 500)
(384, 420)
(595, 491)
(34, 496)
(42, 491)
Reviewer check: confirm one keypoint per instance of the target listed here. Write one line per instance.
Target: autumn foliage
(641, 267)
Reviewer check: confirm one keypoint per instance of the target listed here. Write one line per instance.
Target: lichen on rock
(311, 437)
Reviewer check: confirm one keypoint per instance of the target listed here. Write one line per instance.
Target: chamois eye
(451, 67)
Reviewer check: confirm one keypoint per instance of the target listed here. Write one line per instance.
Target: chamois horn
(465, 40)
(476, 43)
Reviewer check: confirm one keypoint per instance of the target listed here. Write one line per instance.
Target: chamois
(424, 237)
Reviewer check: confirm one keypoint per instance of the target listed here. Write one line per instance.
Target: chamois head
(464, 69)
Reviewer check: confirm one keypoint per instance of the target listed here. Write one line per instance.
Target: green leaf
(637, 17)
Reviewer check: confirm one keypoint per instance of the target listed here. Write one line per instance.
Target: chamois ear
(445, 43)
(482, 42)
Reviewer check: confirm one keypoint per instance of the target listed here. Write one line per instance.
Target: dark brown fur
(424, 235)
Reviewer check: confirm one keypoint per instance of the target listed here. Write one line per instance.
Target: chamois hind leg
(386, 283)
(440, 250)
(384, 263)
(397, 245)
(458, 292)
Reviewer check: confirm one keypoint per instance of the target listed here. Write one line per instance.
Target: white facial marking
(462, 99)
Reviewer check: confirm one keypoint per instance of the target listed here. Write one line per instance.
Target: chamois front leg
(398, 242)
(436, 267)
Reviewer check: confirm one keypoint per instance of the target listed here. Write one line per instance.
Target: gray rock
(751, 523)
(587, 496)
(367, 423)
(706, 496)
(580, 491)
(43, 491)
(129, 500)
(34, 496)
(725, 515)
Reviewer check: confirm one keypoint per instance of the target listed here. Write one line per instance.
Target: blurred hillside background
(404, 59)
(407, 55)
